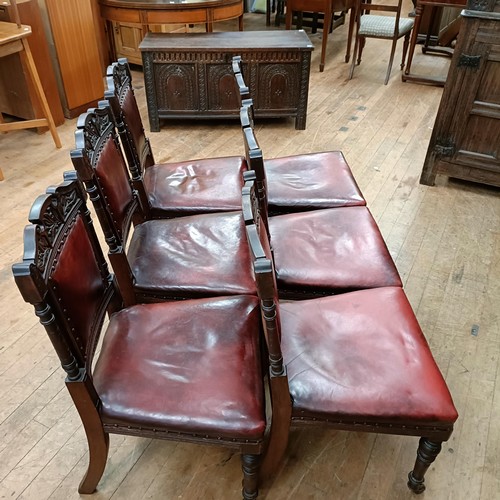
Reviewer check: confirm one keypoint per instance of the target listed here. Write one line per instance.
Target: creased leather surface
(202, 255)
(188, 366)
(335, 249)
(197, 186)
(313, 180)
(362, 356)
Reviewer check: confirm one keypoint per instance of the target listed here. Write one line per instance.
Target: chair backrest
(100, 165)
(121, 97)
(366, 7)
(65, 276)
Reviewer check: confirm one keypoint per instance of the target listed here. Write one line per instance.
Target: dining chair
(184, 257)
(321, 251)
(183, 371)
(374, 25)
(300, 182)
(326, 7)
(171, 189)
(353, 362)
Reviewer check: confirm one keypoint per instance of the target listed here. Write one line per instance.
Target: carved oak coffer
(189, 75)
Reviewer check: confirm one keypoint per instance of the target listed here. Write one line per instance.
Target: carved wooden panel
(191, 76)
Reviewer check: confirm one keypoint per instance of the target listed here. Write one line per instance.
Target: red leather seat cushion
(334, 249)
(187, 366)
(201, 255)
(361, 356)
(310, 181)
(193, 187)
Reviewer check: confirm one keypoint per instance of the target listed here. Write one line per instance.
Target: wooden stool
(13, 38)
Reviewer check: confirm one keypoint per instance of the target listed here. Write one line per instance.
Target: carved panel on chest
(190, 75)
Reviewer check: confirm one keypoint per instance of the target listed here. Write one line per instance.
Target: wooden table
(421, 4)
(172, 12)
(189, 75)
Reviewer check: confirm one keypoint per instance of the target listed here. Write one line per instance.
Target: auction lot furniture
(189, 75)
(130, 20)
(465, 142)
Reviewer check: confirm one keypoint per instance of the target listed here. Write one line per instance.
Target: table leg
(413, 40)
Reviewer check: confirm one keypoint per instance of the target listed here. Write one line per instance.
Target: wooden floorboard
(445, 241)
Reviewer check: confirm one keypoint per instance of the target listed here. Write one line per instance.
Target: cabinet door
(127, 39)
(475, 131)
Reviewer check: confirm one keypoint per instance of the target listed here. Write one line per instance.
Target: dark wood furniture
(17, 95)
(327, 8)
(170, 189)
(202, 255)
(356, 361)
(320, 252)
(190, 76)
(371, 25)
(465, 141)
(135, 17)
(14, 40)
(300, 182)
(184, 370)
(421, 5)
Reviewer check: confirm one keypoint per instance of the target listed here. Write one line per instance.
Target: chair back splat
(329, 366)
(181, 370)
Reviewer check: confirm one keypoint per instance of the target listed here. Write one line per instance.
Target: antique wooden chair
(357, 361)
(184, 371)
(326, 7)
(306, 181)
(171, 189)
(372, 25)
(13, 39)
(319, 252)
(192, 256)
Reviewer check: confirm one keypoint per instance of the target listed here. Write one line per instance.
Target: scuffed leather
(188, 366)
(311, 181)
(202, 255)
(193, 187)
(133, 120)
(334, 249)
(362, 356)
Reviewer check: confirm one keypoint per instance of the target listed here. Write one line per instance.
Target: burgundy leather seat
(177, 188)
(356, 361)
(186, 257)
(340, 249)
(184, 370)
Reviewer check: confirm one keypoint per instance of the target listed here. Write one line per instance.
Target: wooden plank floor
(445, 241)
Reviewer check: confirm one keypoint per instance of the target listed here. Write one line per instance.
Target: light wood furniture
(421, 4)
(13, 39)
(130, 20)
(465, 141)
(189, 75)
(77, 42)
(17, 95)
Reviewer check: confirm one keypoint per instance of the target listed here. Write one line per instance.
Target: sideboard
(189, 75)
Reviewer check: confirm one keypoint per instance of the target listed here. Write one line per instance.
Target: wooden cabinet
(190, 75)
(17, 95)
(465, 141)
(127, 38)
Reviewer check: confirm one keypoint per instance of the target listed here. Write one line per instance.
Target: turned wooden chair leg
(250, 465)
(391, 60)
(426, 454)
